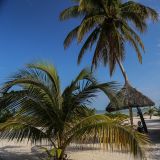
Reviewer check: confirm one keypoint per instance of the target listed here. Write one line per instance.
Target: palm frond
(110, 133)
(110, 17)
(71, 12)
(70, 37)
(88, 43)
(19, 130)
(88, 24)
(43, 112)
(51, 72)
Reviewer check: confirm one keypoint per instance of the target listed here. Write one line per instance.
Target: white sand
(97, 154)
(153, 153)
(24, 151)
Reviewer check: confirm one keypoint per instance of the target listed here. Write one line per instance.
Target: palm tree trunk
(126, 82)
(62, 154)
(54, 145)
(131, 115)
(123, 71)
(130, 107)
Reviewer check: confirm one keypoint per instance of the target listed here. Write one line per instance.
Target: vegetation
(151, 111)
(108, 26)
(50, 154)
(44, 111)
(158, 112)
(5, 115)
(117, 114)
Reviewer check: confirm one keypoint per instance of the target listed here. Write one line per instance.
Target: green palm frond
(112, 19)
(121, 117)
(70, 37)
(51, 72)
(70, 13)
(109, 132)
(42, 111)
(143, 11)
(88, 24)
(18, 129)
(88, 44)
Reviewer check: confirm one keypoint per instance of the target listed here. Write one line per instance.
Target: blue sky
(30, 30)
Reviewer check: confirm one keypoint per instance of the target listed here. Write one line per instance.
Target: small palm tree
(44, 111)
(108, 26)
(158, 111)
(151, 111)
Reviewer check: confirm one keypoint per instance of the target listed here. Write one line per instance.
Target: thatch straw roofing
(129, 96)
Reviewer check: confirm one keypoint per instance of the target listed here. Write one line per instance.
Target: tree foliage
(106, 26)
(45, 111)
(151, 111)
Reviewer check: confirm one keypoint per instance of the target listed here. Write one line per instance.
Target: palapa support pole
(142, 119)
(131, 115)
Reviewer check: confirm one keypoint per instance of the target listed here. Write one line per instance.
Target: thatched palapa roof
(129, 96)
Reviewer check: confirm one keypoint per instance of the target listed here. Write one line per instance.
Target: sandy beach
(18, 151)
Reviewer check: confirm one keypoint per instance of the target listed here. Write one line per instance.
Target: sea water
(125, 111)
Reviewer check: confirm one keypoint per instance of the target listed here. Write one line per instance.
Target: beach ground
(25, 151)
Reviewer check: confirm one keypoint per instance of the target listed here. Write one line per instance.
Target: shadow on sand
(16, 155)
(154, 130)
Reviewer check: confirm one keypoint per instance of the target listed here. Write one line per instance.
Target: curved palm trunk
(126, 82)
(123, 71)
(130, 107)
(62, 155)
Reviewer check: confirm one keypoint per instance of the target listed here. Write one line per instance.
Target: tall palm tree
(108, 26)
(43, 110)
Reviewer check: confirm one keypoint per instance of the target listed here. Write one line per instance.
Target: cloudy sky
(30, 30)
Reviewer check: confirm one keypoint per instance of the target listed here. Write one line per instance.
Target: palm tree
(108, 26)
(151, 111)
(44, 111)
(158, 111)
